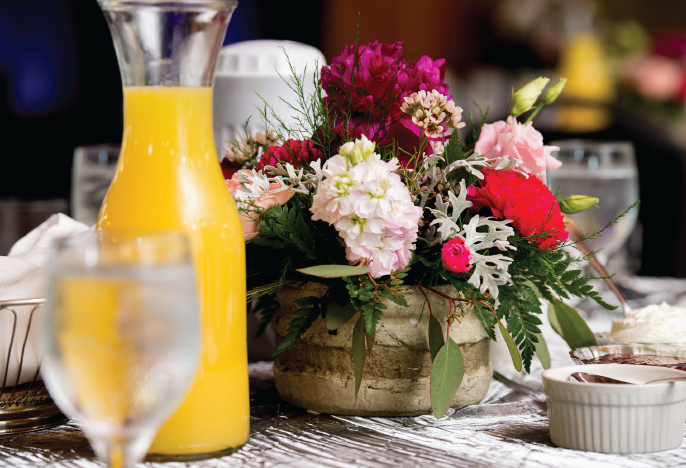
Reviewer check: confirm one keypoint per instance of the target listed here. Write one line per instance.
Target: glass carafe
(168, 177)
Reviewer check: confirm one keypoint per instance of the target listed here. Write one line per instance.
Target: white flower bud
(525, 98)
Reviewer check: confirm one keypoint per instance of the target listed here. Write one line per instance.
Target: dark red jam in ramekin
(673, 362)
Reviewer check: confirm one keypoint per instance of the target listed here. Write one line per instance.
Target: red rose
(527, 202)
(296, 152)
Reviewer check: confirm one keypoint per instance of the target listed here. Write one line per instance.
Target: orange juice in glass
(168, 178)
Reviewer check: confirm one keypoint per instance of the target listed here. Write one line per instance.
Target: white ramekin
(616, 418)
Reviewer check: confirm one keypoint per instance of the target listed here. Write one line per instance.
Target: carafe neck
(167, 43)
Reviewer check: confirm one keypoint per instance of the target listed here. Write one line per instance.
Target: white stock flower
(370, 207)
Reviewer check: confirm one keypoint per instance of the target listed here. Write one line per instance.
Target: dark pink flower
(295, 152)
(368, 88)
(672, 45)
(455, 255)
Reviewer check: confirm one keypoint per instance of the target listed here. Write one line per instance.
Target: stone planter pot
(317, 373)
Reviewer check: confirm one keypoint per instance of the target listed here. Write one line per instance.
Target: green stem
(534, 113)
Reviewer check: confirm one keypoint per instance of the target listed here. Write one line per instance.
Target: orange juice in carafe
(168, 177)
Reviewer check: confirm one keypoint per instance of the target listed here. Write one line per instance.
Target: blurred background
(625, 61)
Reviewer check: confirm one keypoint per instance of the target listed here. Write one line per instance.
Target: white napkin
(22, 276)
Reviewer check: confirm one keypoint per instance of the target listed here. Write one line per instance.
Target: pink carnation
(455, 255)
(518, 141)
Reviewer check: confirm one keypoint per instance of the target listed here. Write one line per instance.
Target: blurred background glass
(605, 170)
(18, 217)
(92, 173)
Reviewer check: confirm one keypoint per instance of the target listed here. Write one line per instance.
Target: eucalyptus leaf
(511, 347)
(337, 315)
(359, 354)
(334, 271)
(436, 341)
(542, 351)
(576, 331)
(552, 317)
(447, 371)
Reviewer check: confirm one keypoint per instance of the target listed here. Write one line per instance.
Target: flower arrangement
(374, 188)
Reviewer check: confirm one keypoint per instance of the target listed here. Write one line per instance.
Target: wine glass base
(191, 457)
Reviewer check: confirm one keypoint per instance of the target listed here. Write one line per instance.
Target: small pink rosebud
(455, 255)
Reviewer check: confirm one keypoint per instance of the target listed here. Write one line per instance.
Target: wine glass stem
(117, 456)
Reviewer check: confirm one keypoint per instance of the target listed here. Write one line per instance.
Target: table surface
(508, 429)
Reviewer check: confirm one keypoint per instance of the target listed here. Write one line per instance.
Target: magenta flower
(369, 87)
(455, 255)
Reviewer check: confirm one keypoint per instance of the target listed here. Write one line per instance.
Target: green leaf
(511, 347)
(398, 298)
(436, 341)
(337, 315)
(447, 371)
(270, 242)
(359, 354)
(542, 351)
(305, 302)
(334, 271)
(487, 319)
(301, 320)
(576, 332)
(552, 317)
(371, 339)
(372, 313)
(453, 150)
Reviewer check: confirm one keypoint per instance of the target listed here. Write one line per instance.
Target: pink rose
(266, 201)
(455, 255)
(519, 141)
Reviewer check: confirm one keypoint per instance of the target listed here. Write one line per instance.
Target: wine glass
(121, 336)
(606, 170)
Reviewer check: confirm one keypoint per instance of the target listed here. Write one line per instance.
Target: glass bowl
(617, 352)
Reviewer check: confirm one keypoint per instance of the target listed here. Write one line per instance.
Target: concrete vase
(317, 373)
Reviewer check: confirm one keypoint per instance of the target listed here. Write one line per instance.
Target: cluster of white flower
(431, 111)
(364, 198)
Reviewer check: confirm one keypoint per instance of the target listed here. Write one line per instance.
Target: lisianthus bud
(525, 98)
(358, 151)
(554, 91)
(576, 203)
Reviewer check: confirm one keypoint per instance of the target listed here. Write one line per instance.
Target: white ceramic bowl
(616, 418)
